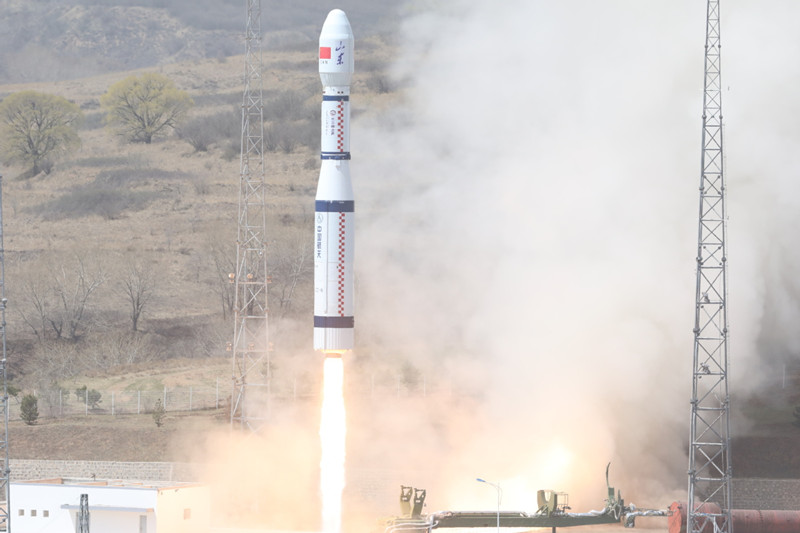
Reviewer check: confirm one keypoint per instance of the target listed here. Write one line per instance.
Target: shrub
(105, 200)
(287, 137)
(93, 121)
(29, 409)
(159, 413)
(289, 104)
(202, 132)
(93, 399)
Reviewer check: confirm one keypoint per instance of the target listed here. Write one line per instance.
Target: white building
(53, 505)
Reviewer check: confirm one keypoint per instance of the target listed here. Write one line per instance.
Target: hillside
(170, 211)
(104, 438)
(57, 40)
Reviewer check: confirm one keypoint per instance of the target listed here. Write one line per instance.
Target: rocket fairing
(334, 206)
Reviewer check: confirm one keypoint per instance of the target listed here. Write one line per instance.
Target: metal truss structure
(251, 368)
(709, 455)
(5, 471)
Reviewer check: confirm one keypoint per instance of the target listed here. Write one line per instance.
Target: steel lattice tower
(709, 455)
(251, 372)
(5, 488)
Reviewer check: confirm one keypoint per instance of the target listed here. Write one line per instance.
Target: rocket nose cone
(336, 59)
(336, 26)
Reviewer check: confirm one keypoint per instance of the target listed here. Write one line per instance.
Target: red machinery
(744, 520)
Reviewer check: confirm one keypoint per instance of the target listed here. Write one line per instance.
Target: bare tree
(57, 299)
(224, 255)
(138, 288)
(50, 362)
(120, 348)
(37, 318)
(73, 288)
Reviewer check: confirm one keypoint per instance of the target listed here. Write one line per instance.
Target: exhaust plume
(529, 233)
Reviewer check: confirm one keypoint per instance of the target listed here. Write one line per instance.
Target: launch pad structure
(5, 471)
(710, 470)
(553, 512)
(250, 346)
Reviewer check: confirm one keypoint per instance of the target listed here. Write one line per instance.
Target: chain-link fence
(63, 403)
(60, 403)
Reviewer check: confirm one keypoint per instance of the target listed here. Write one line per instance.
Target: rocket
(334, 205)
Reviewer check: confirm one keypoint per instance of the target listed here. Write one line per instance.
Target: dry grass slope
(172, 211)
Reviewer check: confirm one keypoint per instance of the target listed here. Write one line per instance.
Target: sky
(527, 227)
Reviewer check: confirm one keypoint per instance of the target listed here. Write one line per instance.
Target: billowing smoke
(527, 224)
(765, 204)
(527, 231)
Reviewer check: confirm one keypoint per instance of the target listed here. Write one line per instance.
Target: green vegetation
(91, 397)
(159, 413)
(29, 409)
(141, 108)
(37, 128)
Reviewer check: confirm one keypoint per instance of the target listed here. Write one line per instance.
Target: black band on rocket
(333, 321)
(339, 156)
(334, 206)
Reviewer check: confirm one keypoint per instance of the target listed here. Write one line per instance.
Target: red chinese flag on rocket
(324, 52)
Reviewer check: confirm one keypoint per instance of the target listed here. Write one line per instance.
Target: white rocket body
(334, 206)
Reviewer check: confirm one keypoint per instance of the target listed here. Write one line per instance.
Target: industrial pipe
(743, 520)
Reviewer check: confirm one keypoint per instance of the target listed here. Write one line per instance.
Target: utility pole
(709, 455)
(251, 368)
(5, 470)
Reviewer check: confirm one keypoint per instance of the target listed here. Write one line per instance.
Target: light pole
(499, 495)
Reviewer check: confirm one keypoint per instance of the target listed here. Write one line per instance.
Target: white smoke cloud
(763, 166)
(527, 230)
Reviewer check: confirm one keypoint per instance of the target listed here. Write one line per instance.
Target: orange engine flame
(332, 437)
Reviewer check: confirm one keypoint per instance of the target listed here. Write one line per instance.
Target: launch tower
(251, 369)
(5, 471)
(709, 454)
